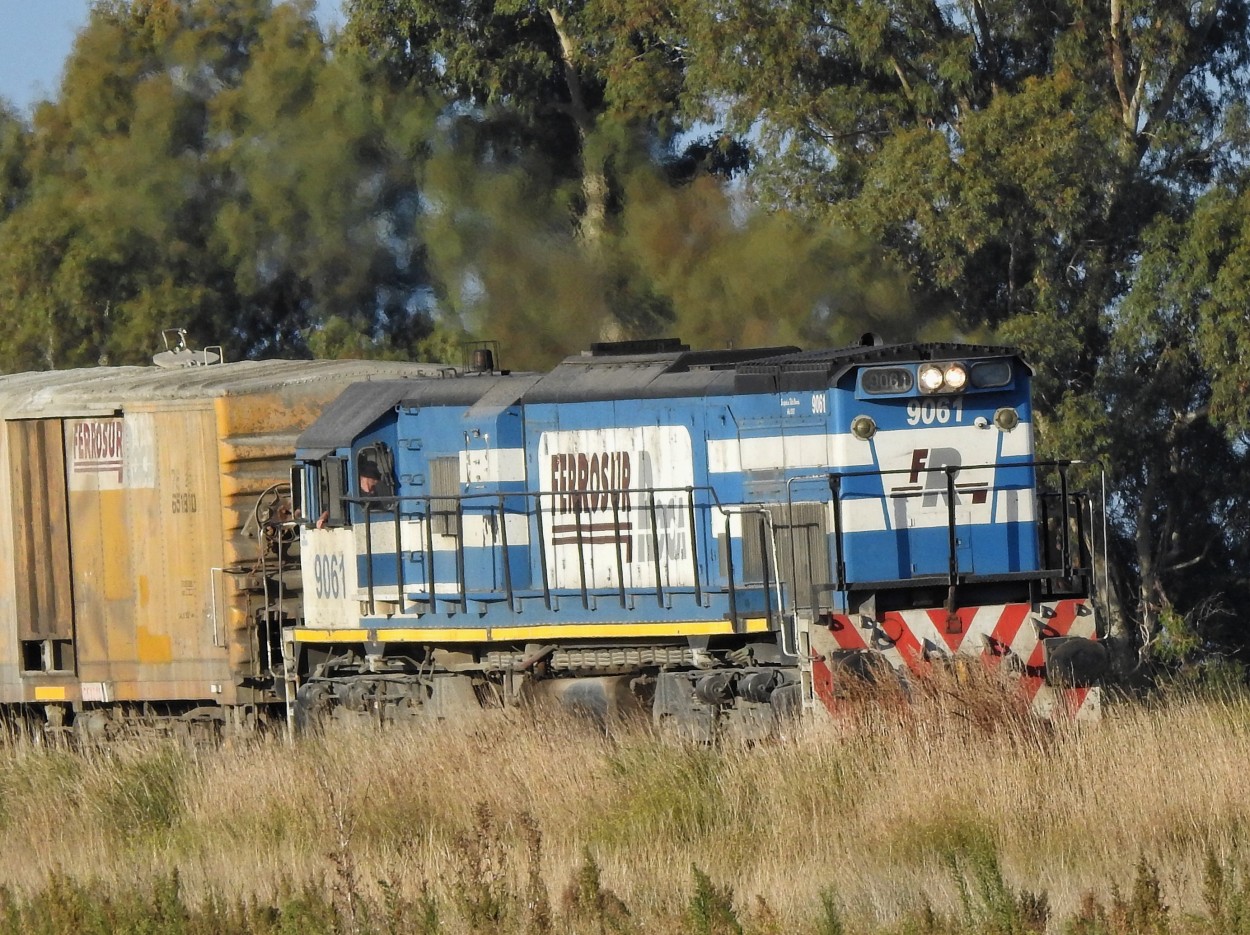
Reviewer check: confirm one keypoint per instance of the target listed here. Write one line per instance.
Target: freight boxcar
(144, 567)
(720, 536)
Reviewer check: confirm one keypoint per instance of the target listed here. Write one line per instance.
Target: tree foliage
(210, 165)
(537, 77)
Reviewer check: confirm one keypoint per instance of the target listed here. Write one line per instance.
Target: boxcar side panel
(180, 650)
(110, 487)
(141, 554)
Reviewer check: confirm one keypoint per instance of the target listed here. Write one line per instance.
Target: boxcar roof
(96, 390)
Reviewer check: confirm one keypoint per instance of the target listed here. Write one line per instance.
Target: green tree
(537, 77)
(209, 165)
(14, 143)
(1177, 383)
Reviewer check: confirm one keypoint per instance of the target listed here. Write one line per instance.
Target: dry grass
(498, 822)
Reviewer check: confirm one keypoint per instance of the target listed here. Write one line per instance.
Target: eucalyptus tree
(538, 76)
(14, 141)
(553, 100)
(585, 189)
(208, 164)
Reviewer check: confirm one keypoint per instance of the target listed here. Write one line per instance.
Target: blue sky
(36, 36)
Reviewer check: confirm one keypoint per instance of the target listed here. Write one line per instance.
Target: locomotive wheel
(312, 706)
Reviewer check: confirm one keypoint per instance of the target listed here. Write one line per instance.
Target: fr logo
(927, 478)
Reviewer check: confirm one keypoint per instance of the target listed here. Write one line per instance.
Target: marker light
(931, 378)
(863, 427)
(955, 377)
(1006, 419)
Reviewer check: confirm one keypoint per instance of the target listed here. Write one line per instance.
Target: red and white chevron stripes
(1008, 635)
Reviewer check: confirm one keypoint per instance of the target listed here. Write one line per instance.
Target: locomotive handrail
(423, 505)
(953, 576)
(399, 563)
(768, 557)
(794, 564)
(655, 553)
(581, 555)
(536, 504)
(620, 558)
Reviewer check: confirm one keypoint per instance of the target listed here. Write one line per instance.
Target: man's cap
(370, 469)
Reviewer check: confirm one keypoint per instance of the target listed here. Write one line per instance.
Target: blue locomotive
(718, 536)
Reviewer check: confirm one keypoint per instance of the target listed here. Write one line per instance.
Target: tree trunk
(594, 177)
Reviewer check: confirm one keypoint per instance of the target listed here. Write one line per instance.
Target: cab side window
(328, 478)
(375, 475)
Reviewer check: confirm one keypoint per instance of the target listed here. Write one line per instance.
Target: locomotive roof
(360, 405)
(806, 370)
(613, 372)
(105, 390)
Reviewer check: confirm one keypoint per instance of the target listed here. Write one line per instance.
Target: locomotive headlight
(955, 377)
(863, 427)
(1006, 418)
(931, 378)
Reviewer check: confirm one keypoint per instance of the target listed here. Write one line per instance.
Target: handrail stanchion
(503, 543)
(839, 558)
(952, 540)
(461, 581)
(429, 551)
(399, 560)
(694, 547)
(581, 556)
(616, 540)
(542, 544)
(369, 557)
(655, 551)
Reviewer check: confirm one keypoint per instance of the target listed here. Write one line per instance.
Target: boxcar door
(43, 592)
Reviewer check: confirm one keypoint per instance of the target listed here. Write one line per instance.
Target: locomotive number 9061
(330, 574)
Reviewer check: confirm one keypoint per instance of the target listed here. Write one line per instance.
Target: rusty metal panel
(44, 601)
(178, 635)
(256, 436)
(143, 543)
(102, 494)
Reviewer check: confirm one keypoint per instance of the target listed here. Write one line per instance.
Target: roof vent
(645, 346)
(178, 355)
(870, 339)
